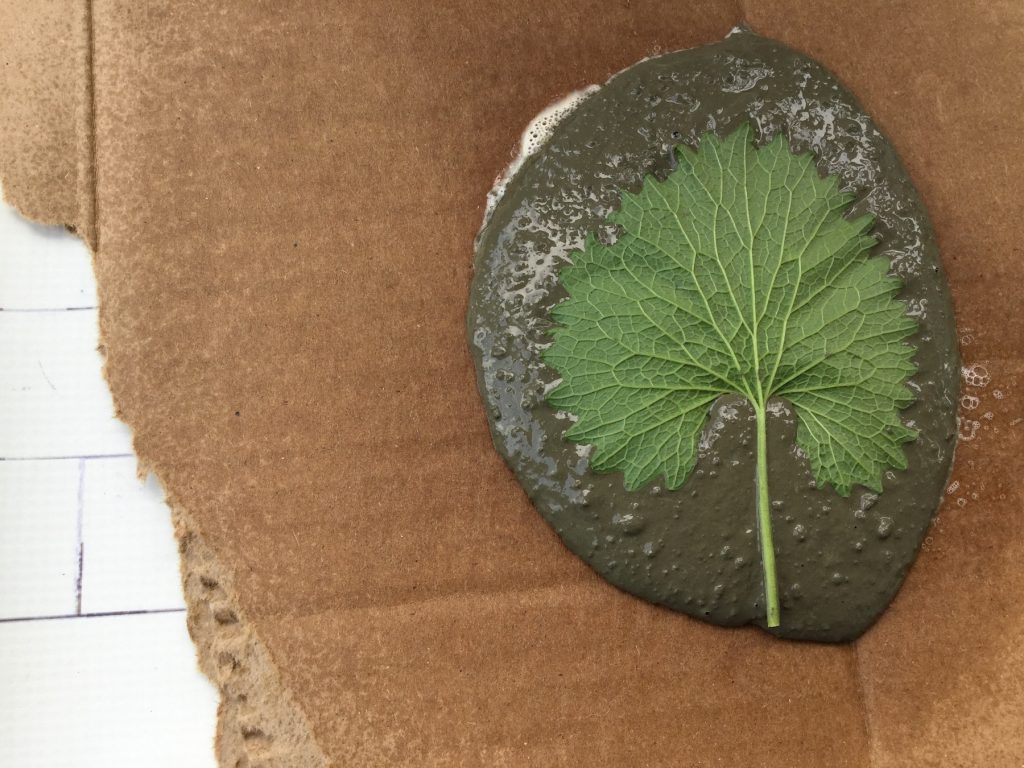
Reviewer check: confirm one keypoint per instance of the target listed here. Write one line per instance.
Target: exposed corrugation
(259, 725)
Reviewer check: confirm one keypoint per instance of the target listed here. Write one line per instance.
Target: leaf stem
(764, 520)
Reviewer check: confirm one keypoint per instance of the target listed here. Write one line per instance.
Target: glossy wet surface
(840, 560)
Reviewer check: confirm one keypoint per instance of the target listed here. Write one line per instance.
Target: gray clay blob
(840, 560)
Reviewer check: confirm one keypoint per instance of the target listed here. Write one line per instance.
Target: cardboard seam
(87, 181)
(258, 719)
(862, 692)
(527, 595)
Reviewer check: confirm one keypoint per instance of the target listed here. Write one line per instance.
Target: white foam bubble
(968, 429)
(540, 128)
(976, 375)
(534, 137)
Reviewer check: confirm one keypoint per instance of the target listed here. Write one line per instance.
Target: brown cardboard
(285, 197)
(46, 112)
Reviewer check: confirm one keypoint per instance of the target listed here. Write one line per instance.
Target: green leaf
(737, 274)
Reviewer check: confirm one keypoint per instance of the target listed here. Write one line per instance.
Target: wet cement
(694, 550)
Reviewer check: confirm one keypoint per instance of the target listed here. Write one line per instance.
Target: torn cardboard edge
(258, 720)
(47, 174)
